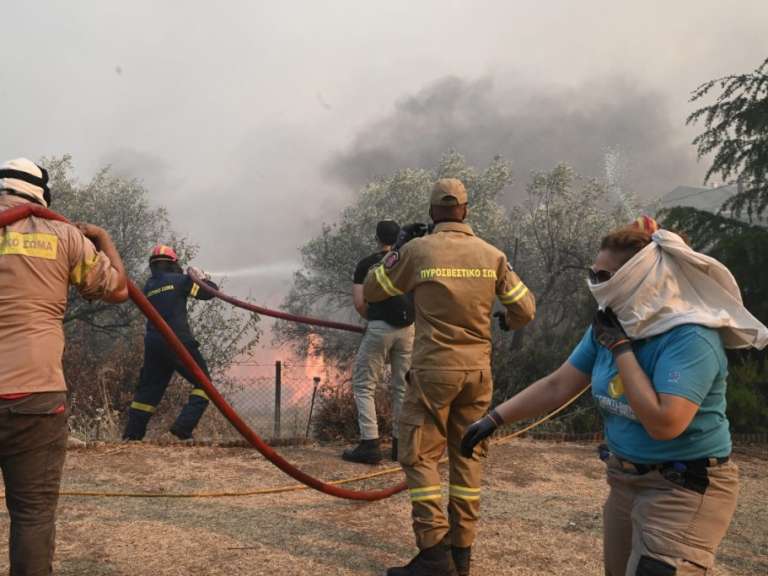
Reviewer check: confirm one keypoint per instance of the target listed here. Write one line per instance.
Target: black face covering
(165, 267)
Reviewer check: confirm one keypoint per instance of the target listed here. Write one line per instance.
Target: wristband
(621, 347)
(495, 418)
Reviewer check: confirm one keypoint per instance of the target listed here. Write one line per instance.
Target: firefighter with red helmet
(168, 289)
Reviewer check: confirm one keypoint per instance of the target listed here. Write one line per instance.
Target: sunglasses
(599, 276)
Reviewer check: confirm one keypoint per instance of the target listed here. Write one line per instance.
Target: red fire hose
(275, 313)
(17, 213)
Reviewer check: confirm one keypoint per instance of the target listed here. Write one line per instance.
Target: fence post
(278, 394)
(316, 381)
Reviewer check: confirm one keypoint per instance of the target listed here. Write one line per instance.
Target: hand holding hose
(198, 272)
(91, 231)
(479, 431)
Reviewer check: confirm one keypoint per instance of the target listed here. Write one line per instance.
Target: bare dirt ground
(541, 515)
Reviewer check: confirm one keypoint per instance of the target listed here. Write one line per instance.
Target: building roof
(701, 198)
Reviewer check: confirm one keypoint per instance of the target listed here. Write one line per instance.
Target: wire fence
(278, 400)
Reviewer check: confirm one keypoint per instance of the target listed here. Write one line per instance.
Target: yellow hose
(298, 487)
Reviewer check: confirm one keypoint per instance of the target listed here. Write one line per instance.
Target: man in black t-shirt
(388, 338)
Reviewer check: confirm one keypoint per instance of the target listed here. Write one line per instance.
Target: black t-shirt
(396, 311)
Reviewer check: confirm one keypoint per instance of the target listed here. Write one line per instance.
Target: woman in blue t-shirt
(662, 397)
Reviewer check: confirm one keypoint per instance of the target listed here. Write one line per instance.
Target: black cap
(387, 231)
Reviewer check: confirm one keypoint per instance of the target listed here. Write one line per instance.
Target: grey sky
(235, 113)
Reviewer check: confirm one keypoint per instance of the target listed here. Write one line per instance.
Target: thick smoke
(534, 129)
(152, 170)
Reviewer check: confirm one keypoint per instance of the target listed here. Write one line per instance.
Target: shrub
(748, 397)
(336, 417)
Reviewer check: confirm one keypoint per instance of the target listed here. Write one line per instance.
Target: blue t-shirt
(687, 361)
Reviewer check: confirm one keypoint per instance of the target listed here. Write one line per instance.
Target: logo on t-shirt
(616, 387)
(615, 403)
(617, 407)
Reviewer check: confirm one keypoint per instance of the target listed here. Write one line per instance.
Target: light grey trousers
(381, 343)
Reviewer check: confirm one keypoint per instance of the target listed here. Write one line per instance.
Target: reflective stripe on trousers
(438, 406)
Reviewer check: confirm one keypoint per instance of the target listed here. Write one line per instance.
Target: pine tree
(736, 132)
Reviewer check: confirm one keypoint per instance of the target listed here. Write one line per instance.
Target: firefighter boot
(394, 449)
(179, 433)
(367, 452)
(461, 559)
(137, 424)
(434, 561)
(190, 415)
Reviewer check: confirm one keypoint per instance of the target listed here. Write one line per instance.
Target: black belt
(679, 465)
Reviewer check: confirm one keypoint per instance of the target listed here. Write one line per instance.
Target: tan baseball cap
(448, 192)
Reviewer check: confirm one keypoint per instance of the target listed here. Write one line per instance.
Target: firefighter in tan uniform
(455, 278)
(39, 260)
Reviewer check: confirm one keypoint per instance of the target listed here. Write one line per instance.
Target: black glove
(609, 332)
(409, 232)
(502, 319)
(479, 431)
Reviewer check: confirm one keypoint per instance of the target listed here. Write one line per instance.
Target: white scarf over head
(24, 165)
(668, 284)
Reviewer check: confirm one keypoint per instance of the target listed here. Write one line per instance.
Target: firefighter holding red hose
(168, 289)
(39, 260)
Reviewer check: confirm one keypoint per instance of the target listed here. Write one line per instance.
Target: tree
(122, 207)
(559, 227)
(323, 286)
(736, 132)
(104, 342)
(550, 240)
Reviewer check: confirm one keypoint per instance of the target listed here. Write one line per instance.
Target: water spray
(281, 268)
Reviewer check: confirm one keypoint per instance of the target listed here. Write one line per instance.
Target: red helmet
(163, 252)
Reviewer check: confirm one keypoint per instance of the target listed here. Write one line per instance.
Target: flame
(315, 365)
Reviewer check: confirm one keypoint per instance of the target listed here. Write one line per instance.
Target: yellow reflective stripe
(80, 271)
(464, 493)
(199, 392)
(424, 498)
(514, 295)
(34, 244)
(381, 276)
(467, 498)
(426, 493)
(195, 290)
(424, 490)
(512, 291)
(143, 407)
(157, 291)
(457, 488)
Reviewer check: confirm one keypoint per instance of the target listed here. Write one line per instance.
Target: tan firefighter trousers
(438, 407)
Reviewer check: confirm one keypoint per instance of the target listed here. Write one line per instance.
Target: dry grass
(541, 515)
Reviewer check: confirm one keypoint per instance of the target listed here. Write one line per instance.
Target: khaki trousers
(654, 527)
(438, 406)
(33, 443)
(381, 343)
